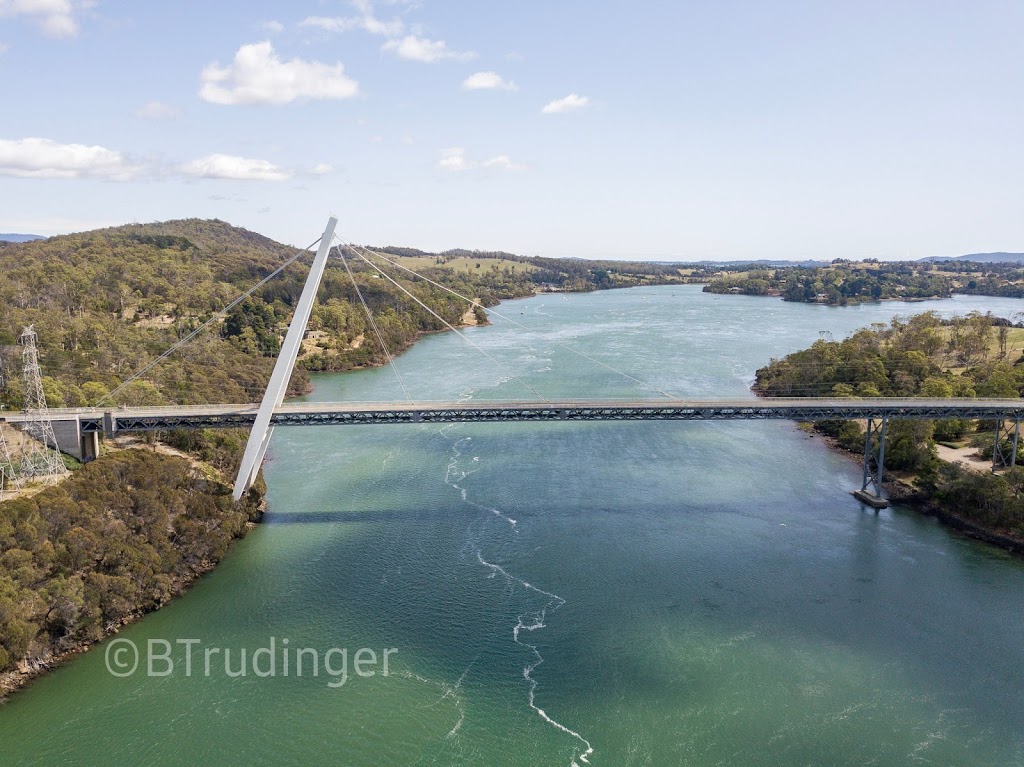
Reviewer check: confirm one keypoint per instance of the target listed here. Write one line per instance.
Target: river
(593, 593)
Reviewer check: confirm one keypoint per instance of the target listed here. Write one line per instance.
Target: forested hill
(843, 282)
(106, 302)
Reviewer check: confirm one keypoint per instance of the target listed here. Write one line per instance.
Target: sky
(643, 129)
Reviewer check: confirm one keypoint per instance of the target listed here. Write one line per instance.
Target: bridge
(77, 431)
(110, 422)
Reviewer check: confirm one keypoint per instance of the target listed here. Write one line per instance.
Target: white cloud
(321, 169)
(414, 48)
(259, 76)
(570, 103)
(502, 161)
(345, 23)
(330, 23)
(43, 158)
(46, 159)
(454, 160)
(385, 28)
(273, 27)
(157, 110)
(366, 21)
(55, 17)
(488, 81)
(4, 47)
(233, 168)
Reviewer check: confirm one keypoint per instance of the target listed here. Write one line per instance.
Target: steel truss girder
(1003, 458)
(126, 421)
(874, 456)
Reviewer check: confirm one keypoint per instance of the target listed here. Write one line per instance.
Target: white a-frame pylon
(259, 437)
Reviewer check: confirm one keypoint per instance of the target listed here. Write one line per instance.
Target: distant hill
(108, 301)
(981, 258)
(10, 237)
(765, 263)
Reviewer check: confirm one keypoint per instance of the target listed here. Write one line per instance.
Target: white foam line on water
(453, 475)
(448, 691)
(538, 623)
(453, 692)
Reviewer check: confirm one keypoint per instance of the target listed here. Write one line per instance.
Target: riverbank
(29, 670)
(906, 494)
(119, 539)
(903, 491)
(206, 457)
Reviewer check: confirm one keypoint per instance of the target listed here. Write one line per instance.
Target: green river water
(608, 594)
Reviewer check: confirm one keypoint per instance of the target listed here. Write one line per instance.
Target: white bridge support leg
(259, 437)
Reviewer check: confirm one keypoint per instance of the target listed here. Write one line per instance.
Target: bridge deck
(334, 413)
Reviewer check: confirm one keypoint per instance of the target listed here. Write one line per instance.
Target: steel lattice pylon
(1004, 451)
(874, 457)
(9, 479)
(39, 458)
(8, 476)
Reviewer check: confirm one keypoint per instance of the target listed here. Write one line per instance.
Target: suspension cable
(373, 322)
(215, 318)
(451, 327)
(527, 327)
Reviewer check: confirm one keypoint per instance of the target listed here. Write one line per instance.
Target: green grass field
(463, 264)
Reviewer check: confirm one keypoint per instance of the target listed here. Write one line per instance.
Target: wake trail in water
(454, 475)
(448, 692)
(537, 622)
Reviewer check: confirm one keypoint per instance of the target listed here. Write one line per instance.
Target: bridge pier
(72, 440)
(874, 465)
(1001, 457)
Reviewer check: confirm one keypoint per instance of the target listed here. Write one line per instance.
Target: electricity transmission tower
(9, 479)
(38, 458)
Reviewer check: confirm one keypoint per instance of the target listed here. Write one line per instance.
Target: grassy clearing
(463, 264)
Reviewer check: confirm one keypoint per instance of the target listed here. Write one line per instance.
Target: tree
(140, 393)
(1002, 338)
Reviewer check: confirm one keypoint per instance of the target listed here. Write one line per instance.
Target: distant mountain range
(982, 258)
(6, 237)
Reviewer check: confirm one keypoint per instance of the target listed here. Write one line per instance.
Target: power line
(215, 318)
(451, 327)
(373, 323)
(521, 325)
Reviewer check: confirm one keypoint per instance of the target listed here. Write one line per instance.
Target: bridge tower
(40, 457)
(259, 437)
